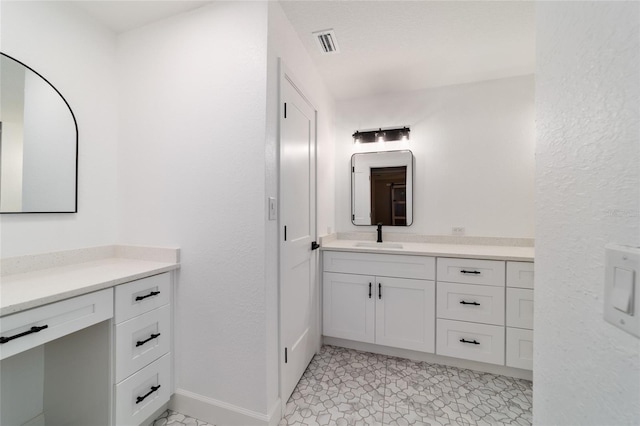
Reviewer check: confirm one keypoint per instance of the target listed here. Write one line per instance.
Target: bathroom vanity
(463, 302)
(86, 336)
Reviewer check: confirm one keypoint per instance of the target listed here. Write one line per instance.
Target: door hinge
(314, 245)
(285, 233)
(285, 355)
(285, 110)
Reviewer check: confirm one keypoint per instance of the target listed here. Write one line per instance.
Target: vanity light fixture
(380, 135)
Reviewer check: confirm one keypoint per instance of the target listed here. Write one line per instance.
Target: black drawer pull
(139, 399)
(462, 302)
(142, 342)
(153, 293)
(469, 272)
(379, 291)
(30, 331)
(369, 290)
(470, 341)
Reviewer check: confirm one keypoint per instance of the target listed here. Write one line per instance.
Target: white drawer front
(138, 297)
(468, 302)
(130, 408)
(60, 318)
(520, 274)
(520, 308)
(519, 348)
(141, 340)
(484, 343)
(386, 265)
(471, 271)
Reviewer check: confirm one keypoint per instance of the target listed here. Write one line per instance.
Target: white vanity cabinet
(99, 356)
(471, 309)
(380, 298)
(520, 315)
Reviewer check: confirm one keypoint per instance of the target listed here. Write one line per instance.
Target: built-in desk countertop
(32, 281)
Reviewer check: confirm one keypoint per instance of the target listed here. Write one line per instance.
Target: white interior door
(297, 233)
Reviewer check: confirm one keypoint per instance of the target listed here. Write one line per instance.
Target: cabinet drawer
(138, 297)
(519, 348)
(468, 302)
(520, 308)
(484, 343)
(139, 396)
(471, 271)
(386, 265)
(141, 340)
(520, 274)
(60, 318)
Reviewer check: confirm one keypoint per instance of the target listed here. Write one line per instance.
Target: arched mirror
(382, 188)
(38, 143)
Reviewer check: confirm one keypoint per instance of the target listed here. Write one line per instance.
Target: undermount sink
(379, 245)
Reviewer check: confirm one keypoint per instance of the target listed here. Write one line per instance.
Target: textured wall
(587, 194)
(474, 149)
(192, 174)
(78, 57)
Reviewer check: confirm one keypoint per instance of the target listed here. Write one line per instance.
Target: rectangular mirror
(382, 188)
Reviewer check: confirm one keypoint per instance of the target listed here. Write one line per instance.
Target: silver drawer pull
(139, 399)
(30, 331)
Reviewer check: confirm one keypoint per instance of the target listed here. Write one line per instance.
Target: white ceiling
(392, 46)
(385, 46)
(122, 16)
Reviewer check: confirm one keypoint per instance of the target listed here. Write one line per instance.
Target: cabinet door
(405, 313)
(349, 306)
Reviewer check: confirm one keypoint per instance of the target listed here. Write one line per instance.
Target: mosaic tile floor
(347, 387)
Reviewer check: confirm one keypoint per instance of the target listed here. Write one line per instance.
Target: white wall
(285, 44)
(586, 371)
(474, 155)
(192, 174)
(78, 57)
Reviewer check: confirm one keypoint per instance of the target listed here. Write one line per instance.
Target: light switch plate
(621, 289)
(273, 209)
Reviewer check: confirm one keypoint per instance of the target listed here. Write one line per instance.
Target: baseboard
(221, 413)
(437, 359)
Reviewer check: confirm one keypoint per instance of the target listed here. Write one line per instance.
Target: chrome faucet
(379, 233)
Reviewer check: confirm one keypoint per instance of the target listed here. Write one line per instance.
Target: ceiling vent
(327, 41)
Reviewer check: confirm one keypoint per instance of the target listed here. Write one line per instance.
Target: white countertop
(28, 290)
(515, 253)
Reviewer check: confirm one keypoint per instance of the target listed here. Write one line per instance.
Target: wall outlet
(457, 230)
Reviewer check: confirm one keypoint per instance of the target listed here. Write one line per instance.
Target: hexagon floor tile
(348, 387)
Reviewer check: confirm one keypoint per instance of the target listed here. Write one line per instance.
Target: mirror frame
(410, 175)
(75, 123)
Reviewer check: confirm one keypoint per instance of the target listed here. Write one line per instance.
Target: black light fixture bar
(381, 135)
